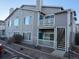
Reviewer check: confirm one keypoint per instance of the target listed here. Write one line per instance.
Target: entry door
(61, 38)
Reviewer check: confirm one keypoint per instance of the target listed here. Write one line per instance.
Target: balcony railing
(46, 43)
(46, 22)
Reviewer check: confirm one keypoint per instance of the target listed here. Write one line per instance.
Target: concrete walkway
(58, 53)
(32, 53)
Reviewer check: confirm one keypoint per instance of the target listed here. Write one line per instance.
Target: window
(41, 17)
(48, 36)
(49, 19)
(27, 36)
(16, 22)
(9, 23)
(40, 35)
(27, 20)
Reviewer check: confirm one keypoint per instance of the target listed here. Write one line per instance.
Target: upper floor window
(27, 20)
(16, 22)
(9, 23)
(50, 19)
(41, 17)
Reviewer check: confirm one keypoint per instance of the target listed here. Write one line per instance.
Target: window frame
(50, 19)
(17, 20)
(28, 35)
(48, 33)
(29, 21)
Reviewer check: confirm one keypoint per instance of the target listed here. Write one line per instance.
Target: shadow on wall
(77, 38)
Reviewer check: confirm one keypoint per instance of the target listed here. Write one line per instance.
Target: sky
(5, 5)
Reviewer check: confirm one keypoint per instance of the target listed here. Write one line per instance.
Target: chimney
(39, 4)
(11, 10)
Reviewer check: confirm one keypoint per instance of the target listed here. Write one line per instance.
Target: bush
(17, 38)
(77, 38)
(3, 38)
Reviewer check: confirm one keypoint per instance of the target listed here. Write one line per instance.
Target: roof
(44, 6)
(2, 21)
(63, 11)
(19, 9)
(32, 10)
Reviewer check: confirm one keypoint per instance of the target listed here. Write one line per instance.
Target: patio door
(61, 38)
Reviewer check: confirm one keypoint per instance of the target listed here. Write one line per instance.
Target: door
(61, 38)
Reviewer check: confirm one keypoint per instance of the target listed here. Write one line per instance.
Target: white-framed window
(9, 23)
(27, 36)
(48, 36)
(50, 19)
(41, 17)
(16, 22)
(27, 20)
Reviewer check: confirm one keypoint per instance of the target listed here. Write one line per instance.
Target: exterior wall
(22, 27)
(10, 30)
(60, 22)
(67, 21)
(2, 28)
(61, 19)
(77, 28)
(73, 29)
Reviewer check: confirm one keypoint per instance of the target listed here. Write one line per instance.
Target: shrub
(77, 38)
(17, 38)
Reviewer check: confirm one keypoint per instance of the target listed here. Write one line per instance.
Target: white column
(55, 38)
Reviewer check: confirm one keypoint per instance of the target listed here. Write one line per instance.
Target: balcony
(46, 22)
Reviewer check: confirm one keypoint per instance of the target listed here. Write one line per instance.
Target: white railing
(47, 43)
(46, 22)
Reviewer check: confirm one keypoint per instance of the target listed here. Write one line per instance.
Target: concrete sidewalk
(33, 53)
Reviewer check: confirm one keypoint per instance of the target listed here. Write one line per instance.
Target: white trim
(38, 26)
(55, 38)
(67, 33)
